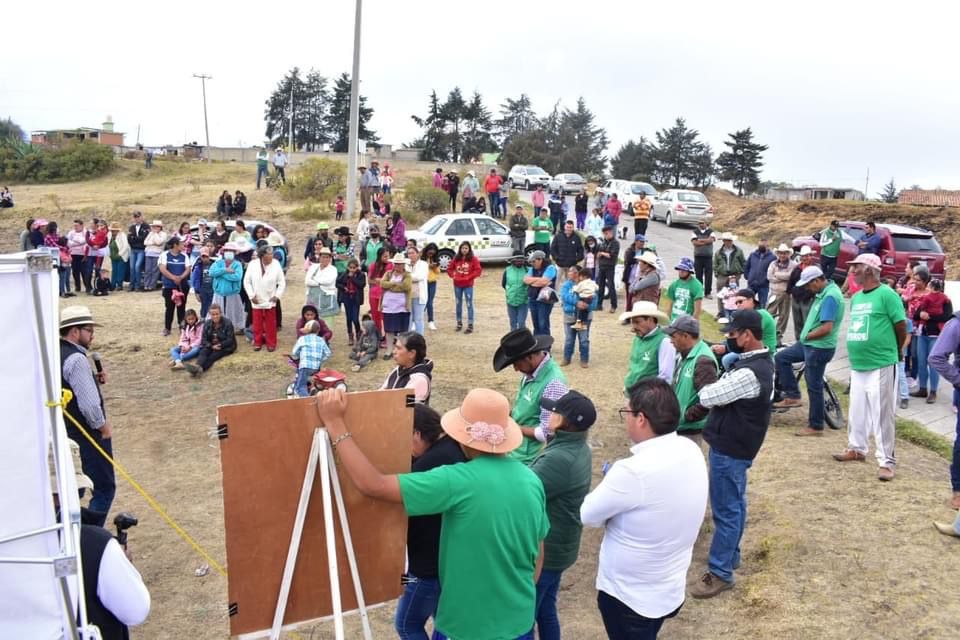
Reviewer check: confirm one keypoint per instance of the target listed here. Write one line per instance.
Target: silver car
(567, 183)
(681, 206)
(527, 177)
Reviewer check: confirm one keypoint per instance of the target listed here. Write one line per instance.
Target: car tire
(444, 258)
(668, 220)
(510, 183)
(526, 185)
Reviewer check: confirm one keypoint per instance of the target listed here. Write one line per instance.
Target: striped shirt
(554, 390)
(78, 374)
(739, 384)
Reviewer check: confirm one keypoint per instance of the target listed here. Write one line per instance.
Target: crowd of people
(500, 490)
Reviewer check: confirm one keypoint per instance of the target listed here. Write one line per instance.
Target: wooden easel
(322, 451)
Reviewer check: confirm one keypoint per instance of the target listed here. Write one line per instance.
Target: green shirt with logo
(687, 394)
(829, 341)
(644, 357)
(542, 230)
(871, 340)
(526, 408)
(830, 243)
(514, 288)
(769, 326)
(684, 293)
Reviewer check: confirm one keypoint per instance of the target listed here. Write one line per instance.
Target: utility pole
(203, 83)
(866, 187)
(290, 137)
(354, 140)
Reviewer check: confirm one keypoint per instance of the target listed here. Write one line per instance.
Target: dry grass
(829, 552)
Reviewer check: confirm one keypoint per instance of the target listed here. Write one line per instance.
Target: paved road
(673, 243)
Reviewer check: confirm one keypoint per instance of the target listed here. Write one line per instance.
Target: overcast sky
(832, 87)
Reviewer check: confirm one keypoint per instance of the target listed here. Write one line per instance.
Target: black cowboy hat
(516, 345)
(342, 231)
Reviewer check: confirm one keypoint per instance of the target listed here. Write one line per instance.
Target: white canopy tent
(39, 557)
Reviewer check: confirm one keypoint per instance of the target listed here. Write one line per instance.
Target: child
(590, 256)
(904, 386)
(63, 270)
(310, 352)
(308, 313)
(594, 225)
(729, 297)
(191, 335)
(101, 279)
(350, 286)
(339, 205)
(365, 349)
(586, 289)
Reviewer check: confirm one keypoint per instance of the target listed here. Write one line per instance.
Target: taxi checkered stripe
(477, 243)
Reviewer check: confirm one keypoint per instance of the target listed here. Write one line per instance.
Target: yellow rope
(64, 400)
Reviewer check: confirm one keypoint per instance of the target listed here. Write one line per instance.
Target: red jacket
(492, 184)
(614, 207)
(464, 272)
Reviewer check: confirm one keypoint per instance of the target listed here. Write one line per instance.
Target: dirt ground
(829, 551)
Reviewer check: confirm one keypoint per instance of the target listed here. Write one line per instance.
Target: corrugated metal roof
(930, 197)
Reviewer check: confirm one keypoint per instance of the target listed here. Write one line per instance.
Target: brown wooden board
(264, 456)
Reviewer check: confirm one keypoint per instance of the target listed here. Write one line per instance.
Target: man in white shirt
(280, 163)
(651, 506)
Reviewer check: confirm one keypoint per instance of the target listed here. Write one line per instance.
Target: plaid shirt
(739, 384)
(312, 351)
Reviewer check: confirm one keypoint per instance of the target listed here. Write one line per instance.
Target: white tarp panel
(30, 602)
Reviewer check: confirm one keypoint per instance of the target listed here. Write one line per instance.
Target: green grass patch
(913, 431)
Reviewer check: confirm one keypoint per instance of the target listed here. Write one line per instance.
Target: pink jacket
(538, 198)
(190, 337)
(437, 181)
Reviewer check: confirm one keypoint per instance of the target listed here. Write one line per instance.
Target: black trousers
(640, 226)
(169, 307)
(606, 284)
(453, 202)
(80, 272)
(208, 356)
(703, 270)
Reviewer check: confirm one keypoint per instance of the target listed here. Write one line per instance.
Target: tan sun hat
(726, 235)
(483, 422)
(83, 480)
(805, 250)
(156, 223)
(274, 239)
(649, 257)
(77, 316)
(784, 249)
(644, 308)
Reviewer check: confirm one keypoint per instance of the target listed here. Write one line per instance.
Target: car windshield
(690, 196)
(536, 171)
(432, 225)
(855, 233)
(925, 244)
(642, 188)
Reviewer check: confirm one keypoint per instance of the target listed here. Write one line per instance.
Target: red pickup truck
(898, 245)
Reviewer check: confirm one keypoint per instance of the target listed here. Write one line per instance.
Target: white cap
(808, 275)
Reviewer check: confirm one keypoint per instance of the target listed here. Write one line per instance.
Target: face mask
(228, 255)
(733, 347)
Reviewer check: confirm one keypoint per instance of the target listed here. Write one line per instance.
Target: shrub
(420, 195)
(318, 179)
(74, 161)
(311, 210)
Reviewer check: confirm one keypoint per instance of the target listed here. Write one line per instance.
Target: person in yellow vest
(542, 378)
(696, 368)
(652, 353)
(641, 215)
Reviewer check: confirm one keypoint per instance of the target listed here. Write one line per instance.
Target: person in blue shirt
(174, 266)
(572, 306)
(870, 242)
(311, 351)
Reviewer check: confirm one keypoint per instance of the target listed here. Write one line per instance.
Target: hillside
(782, 221)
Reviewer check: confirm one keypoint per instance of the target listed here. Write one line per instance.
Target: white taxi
(490, 238)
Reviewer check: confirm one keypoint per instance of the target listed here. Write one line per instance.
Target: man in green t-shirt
(830, 239)
(542, 231)
(747, 299)
(817, 344)
(685, 293)
(875, 337)
(493, 508)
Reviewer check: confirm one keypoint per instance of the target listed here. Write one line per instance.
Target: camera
(122, 522)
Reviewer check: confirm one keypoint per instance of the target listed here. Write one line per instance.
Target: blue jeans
(119, 274)
(815, 361)
(300, 387)
(261, 173)
(540, 313)
(955, 463)
(913, 370)
(431, 294)
(494, 199)
(461, 293)
(623, 623)
(136, 266)
(728, 500)
(98, 468)
(518, 316)
(548, 623)
(206, 299)
(178, 356)
(762, 293)
(418, 602)
(416, 316)
(927, 373)
(571, 337)
(902, 385)
(64, 273)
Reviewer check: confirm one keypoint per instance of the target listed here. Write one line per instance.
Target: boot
(459, 325)
(919, 393)
(931, 397)
(469, 329)
(350, 339)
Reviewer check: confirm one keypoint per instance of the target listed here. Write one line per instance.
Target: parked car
(490, 238)
(898, 245)
(681, 206)
(627, 191)
(567, 183)
(527, 177)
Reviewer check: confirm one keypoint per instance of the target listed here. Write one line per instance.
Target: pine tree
(477, 135)
(742, 163)
(701, 169)
(635, 161)
(580, 146)
(310, 112)
(454, 112)
(890, 194)
(10, 129)
(677, 150)
(431, 143)
(338, 116)
(516, 117)
(277, 112)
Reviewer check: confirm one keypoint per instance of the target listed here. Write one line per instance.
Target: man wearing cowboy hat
(685, 293)
(800, 298)
(493, 508)
(645, 278)
(652, 353)
(728, 261)
(695, 368)
(542, 378)
(778, 276)
(86, 406)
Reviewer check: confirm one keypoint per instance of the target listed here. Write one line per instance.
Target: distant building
(930, 197)
(57, 137)
(813, 193)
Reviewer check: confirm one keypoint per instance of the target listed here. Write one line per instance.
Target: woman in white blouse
(419, 272)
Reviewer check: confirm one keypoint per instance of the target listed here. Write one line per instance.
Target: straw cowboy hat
(274, 239)
(115, 227)
(325, 251)
(483, 422)
(518, 344)
(399, 259)
(77, 316)
(784, 249)
(726, 235)
(648, 257)
(156, 223)
(644, 308)
(805, 250)
(83, 480)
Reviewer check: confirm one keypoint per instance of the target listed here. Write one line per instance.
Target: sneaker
(919, 393)
(257, 347)
(584, 365)
(432, 325)
(177, 365)
(885, 474)
(904, 403)
(355, 368)
(788, 403)
(946, 529)
(459, 326)
(172, 364)
(708, 586)
(849, 455)
(166, 332)
(469, 329)
(932, 397)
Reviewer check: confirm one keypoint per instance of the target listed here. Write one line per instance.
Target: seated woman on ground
(191, 335)
(368, 342)
(239, 203)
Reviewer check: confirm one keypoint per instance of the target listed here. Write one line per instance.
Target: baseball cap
(322, 225)
(575, 407)
(747, 293)
(809, 274)
(685, 323)
(869, 259)
(639, 238)
(743, 320)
